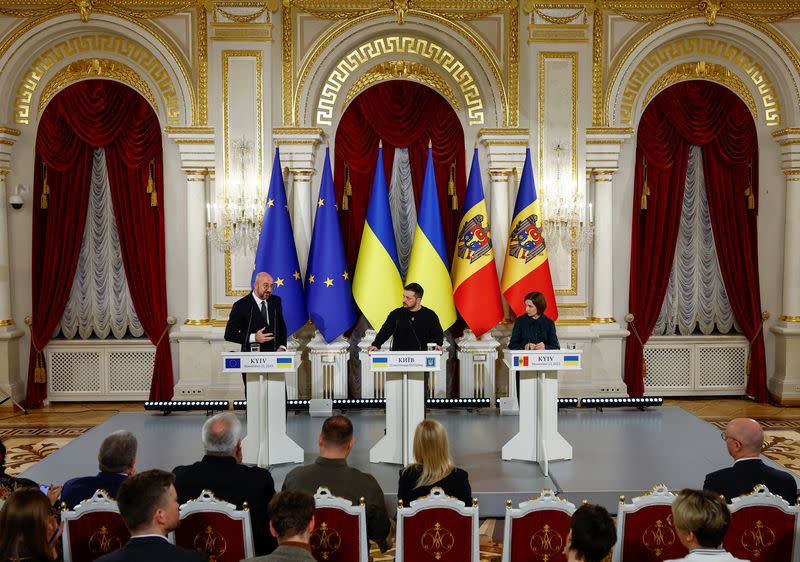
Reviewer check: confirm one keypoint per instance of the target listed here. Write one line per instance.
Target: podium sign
(405, 400)
(266, 442)
(538, 438)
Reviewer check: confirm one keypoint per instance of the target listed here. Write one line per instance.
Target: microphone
(247, 332)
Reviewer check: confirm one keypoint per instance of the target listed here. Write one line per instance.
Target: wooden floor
(88, 413)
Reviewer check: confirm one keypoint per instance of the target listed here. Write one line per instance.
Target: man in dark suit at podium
(256, 320)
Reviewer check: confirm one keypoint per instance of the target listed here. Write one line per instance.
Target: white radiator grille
(696, 365)
(95, 370)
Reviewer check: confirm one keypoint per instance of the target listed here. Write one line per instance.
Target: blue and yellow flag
(428, 263)
(329, 296)
(476, 289)
(276, 253)
(377, 285)
(526, 268)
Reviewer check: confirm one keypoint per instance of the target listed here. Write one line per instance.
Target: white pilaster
(298, 154)
(9, 333)
(505, 149)
(784, 384)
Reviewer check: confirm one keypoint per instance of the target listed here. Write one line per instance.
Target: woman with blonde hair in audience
(434, 467)
(28, 528)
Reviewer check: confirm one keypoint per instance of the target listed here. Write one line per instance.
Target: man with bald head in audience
(744, 439)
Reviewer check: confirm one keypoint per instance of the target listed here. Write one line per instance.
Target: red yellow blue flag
(526, 267)
(476, 288)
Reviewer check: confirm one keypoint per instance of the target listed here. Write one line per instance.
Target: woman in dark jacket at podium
(534, 331)
(434, 467)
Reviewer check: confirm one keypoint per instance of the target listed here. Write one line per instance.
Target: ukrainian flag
(377, 286)
(526, 268)
(572, 360)
(476, 289)
(428, 263)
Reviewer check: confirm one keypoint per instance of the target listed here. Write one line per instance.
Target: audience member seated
(28, 527)
(744, 439)
(148, 503)
(331, 470)
(592, 534)
(291, 521)
(701, 519)
(434, 467)
(116, 458)
(221, 471)
(9, 483)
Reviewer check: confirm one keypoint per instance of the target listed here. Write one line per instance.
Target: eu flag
(276, 253)
(329, 295)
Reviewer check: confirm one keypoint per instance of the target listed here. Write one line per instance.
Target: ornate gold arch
(507, 93)
(97, 43)
(701, 70)
(655, 28)
(409, 44)
(403, 70)
(96, 68)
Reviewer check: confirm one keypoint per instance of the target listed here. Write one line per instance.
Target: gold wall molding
(97, 43)
(10, 131)
(201, 38)
(704, 71)
(723, 49)
(9, 322)
(227, 55)
(406, 70)
(507, 87)
(572, 57)
(785, 318)
(464, 10)
(350, 63)
(786, 131)
(96, 68)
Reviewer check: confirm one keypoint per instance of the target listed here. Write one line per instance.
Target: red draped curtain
(704, 114)
(88, 115)
(401, 114)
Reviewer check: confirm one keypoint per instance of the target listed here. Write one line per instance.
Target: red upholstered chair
(764, 528)
(537, 530)
(437, 527)
(216, 528)
(645, 531)
(93, 528)
(340, 529)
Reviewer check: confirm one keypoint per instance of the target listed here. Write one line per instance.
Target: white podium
(405, 400)
(538, 438)
(266, 442)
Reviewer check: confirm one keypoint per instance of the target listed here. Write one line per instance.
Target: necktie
(264, 311)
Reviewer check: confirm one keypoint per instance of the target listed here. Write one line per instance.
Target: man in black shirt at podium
(412, 326)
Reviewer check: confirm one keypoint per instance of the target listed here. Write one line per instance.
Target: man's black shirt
(412, 331)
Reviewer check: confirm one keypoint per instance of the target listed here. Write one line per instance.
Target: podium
(405, 400)
(266, 442)
(538, 438)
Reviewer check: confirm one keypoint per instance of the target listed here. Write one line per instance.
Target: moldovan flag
(476, 289)
(377, 285)
(526, 268)
(428, 263)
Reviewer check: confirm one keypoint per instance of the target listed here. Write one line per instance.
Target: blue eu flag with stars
(329, 295)
(277, 255)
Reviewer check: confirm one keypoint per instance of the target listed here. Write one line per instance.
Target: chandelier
(233, 219)
(567, 220)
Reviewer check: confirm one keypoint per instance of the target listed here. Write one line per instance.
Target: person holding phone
(29, 529)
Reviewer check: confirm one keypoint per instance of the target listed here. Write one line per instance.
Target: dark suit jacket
(743, 476)
(245, 319)
(78, 489)
(455, 484)
(235, 483)
(152, 549)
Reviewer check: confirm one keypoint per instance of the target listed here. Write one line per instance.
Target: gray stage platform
(615, 452)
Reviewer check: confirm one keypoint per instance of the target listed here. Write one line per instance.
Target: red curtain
(88, 115)
(401, 114)
(704, 114)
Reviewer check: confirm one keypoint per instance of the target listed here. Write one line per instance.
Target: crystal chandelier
(234, 218)
(567, 220)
